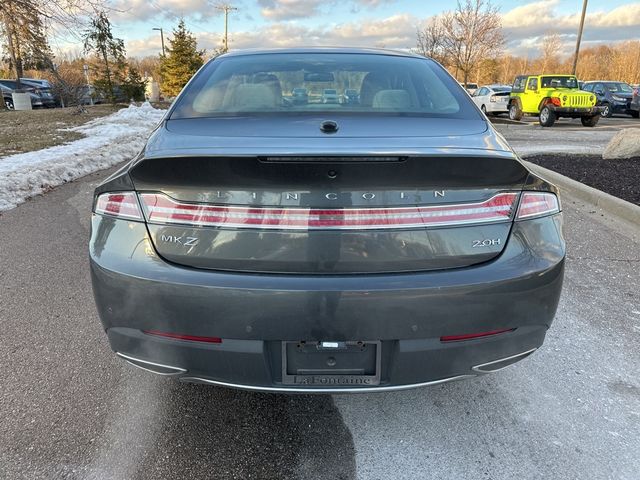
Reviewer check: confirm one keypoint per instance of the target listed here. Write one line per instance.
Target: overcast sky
(383, 23)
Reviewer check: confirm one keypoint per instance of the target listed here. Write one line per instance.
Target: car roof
(547, 75)
(353, 50)
(605, 81)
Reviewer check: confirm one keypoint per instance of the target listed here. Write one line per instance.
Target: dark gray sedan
(376, 245)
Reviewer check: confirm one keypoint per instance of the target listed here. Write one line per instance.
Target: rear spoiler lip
(286, 152)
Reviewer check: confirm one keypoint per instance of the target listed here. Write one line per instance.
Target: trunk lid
(340, 210)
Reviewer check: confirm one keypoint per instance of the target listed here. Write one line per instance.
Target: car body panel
(282, 135)
(255, 312)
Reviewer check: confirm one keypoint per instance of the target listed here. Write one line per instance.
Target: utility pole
(226, 8)
(575, 58)
(161, 39)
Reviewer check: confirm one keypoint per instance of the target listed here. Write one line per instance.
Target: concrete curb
(507, 121)
(623, 209)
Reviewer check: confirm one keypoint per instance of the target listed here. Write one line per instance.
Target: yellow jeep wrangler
(551, 97)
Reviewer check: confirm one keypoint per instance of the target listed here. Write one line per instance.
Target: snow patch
(109, 141)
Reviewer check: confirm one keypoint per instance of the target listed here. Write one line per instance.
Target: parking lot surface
(567, 136)
(70, 409)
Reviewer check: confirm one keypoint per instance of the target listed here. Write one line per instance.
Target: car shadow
(213, 432)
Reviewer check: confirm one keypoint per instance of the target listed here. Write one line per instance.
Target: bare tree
(602, 61)
(551, 48)
(430, 40)
(471, 34)
(26, 26)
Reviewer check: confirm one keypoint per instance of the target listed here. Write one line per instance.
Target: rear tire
(8, 103)
(514, 112)
(635, 114)
(590, 121)
(607, 111)
(547, 116)
(484, 109)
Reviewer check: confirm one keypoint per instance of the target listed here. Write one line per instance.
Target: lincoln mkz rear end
(264, 243)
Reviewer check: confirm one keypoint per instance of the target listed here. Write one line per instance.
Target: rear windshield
(559, 82)
(363, 83)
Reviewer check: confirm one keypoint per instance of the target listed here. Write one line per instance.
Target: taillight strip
(159, 208)
(119, 204)
(537, 204)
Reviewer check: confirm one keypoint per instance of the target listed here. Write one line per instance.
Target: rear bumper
(497, 107)
(136, 290)
(256, 365)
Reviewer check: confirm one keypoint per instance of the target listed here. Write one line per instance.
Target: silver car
(377, 245)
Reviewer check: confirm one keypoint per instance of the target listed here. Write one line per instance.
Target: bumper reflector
(160, 208)
(177, 336)
(471, 336)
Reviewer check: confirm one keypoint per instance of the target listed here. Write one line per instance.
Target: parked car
(635, 101)
(470, 87)
(44, 90)
(330, 95)
(351, 96)
(299, 96)
(614, 97)
(90, 96)
(41, 82)
(8, 87)
(550, 97)
(492, 99)
(7, 99)
(393, 244)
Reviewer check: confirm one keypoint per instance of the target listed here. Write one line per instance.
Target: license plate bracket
(331, 363)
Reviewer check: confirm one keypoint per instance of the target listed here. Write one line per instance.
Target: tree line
(470, 43)
(104, 63)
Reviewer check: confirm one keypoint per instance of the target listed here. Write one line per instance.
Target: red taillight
(534, 204)
(120, 204)
(177, 336)
(160, 208)
(471, 336)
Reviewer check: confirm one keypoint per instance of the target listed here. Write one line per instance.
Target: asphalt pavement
(70, 409)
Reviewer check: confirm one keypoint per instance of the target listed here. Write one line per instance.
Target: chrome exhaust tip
(146, 365)
(501, 363)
